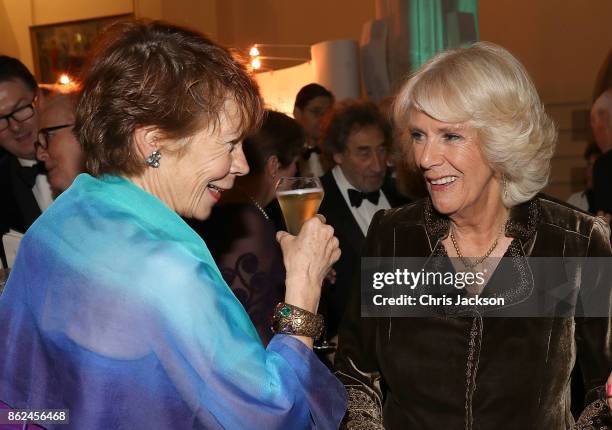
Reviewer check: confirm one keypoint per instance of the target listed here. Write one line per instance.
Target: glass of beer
(299, 199)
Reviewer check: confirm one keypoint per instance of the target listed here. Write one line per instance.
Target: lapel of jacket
(27, 206)
(339, 215)
(522, 225)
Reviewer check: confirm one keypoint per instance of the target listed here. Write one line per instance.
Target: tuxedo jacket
(19, 206)
(338, 214)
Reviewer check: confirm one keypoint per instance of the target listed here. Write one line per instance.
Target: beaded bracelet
(289, 319)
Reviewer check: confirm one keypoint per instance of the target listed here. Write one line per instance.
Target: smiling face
(19, 137)
(191, 183)
(458, 177)
(364, 160)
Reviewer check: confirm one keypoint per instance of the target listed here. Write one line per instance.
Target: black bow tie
(308, 151)
(28, 174)
(356, 197)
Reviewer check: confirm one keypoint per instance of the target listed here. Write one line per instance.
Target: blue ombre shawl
(116, 311)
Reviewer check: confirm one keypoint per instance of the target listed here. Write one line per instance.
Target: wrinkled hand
(308, 258)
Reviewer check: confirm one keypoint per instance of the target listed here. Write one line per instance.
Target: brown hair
(12, 69)
(150, 73)
(348, 117)
(279, 135)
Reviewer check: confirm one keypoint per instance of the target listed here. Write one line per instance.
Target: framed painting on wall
(62, 48)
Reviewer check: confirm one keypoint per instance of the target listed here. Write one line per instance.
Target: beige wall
(52, 11)
(15, 19)
(237, 23)
(16, 16)
(562, 43)
(198, 14)
(244, 22)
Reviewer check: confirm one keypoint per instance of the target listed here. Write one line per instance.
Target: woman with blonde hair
(479, 134)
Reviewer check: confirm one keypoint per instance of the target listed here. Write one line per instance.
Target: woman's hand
(308, 258)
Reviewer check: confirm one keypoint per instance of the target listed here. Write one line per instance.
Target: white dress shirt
(41, 189)
(364, 213)
(579, 200)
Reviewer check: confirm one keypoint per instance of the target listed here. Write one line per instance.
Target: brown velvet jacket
(474, 372)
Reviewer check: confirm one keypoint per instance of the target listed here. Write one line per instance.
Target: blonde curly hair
(485, 87)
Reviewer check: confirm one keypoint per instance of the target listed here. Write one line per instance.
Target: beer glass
(299, 199)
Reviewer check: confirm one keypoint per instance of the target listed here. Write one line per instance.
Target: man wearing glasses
(24, 191)
(57, 146)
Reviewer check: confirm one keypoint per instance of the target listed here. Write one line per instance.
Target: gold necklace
(468, 265)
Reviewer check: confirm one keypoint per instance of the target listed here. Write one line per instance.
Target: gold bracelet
(289, 319)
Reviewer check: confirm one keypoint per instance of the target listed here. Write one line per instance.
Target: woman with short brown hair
(115, 309)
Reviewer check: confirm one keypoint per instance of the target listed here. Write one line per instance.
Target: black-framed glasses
(19, 115)
(44, 134)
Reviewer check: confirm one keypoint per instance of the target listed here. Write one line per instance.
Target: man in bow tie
(312, 102)
(24, 190)
(358, 139)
